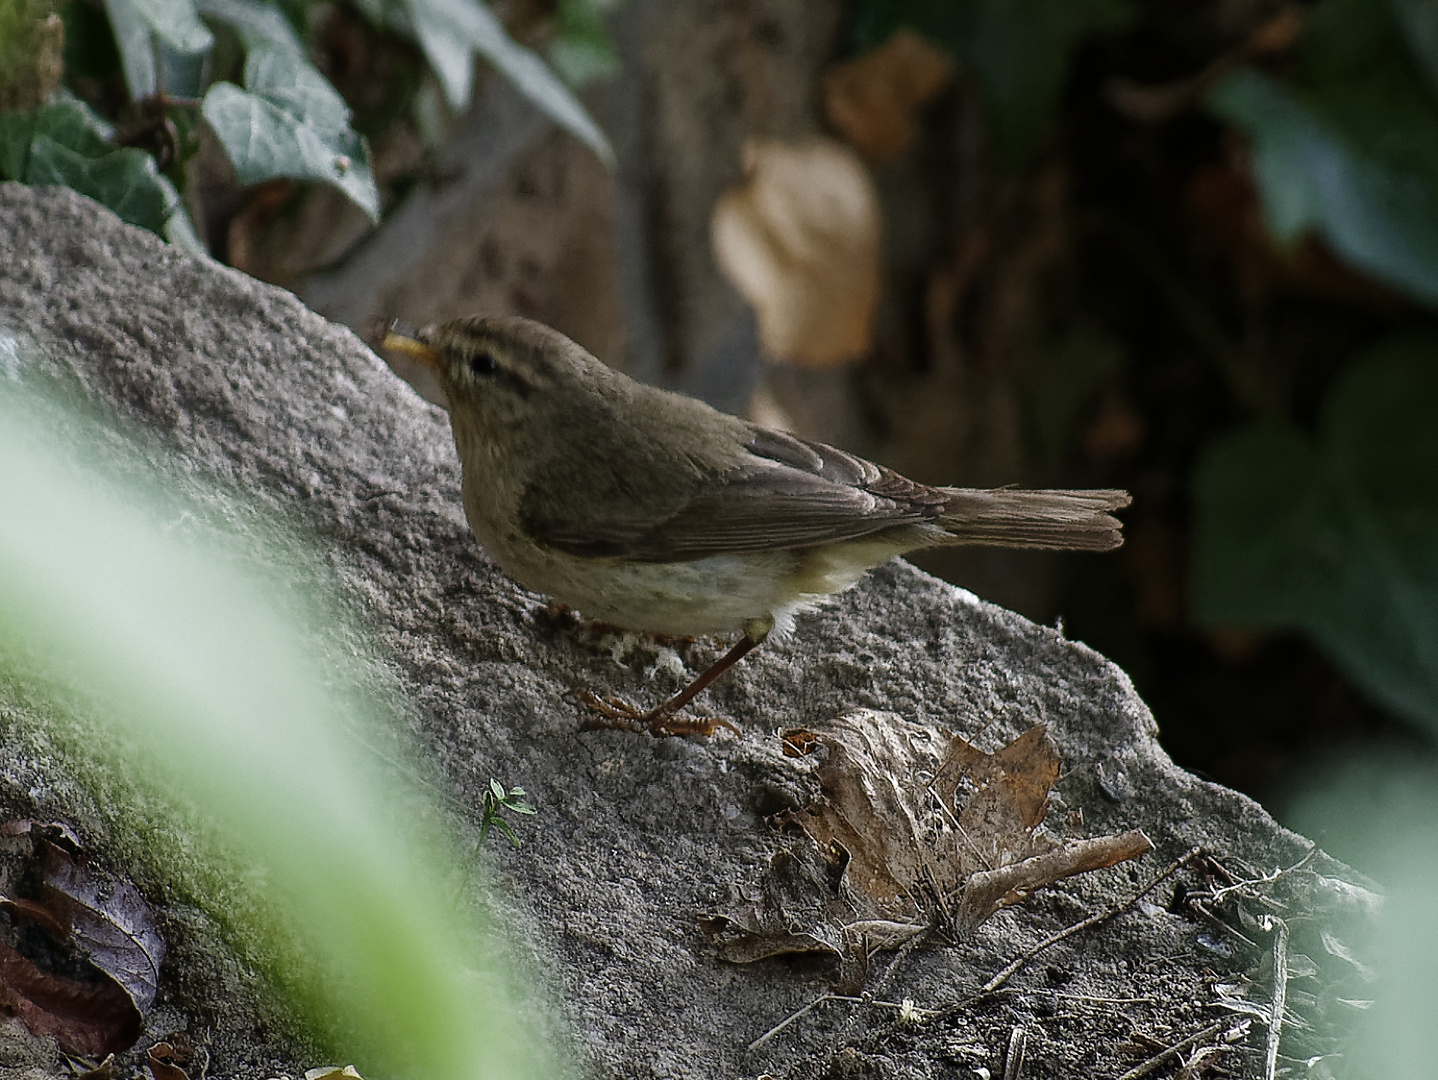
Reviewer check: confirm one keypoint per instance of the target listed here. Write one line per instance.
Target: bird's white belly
(716, 595)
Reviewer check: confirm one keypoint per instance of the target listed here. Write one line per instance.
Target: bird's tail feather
(1057, 520)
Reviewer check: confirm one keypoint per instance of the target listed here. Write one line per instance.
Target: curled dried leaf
(986, 891)
(874, 100)
(874, 804)
(90, 1019)
(110, 922)
(915, 830)
(106, 926)
(162, 1063)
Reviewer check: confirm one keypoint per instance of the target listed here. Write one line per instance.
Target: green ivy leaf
(125, 180)
(581, 50)
(289, 121)
(258, 24)
(136, 41)
(177, 23)
(137, 23)
(1351, 150)
(67, 144)
(70, 123)
(1020, 51)
(1337, 536)
(451, 31)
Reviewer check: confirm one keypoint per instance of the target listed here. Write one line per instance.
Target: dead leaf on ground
(798, 741)
(110, 921)
(873, 100)
(799, 239)
(163, 1064)
(801, 906)
(90, 1019)
(916, 831)
(101, 920)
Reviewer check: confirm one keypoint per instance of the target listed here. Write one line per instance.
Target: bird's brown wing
(789, 493)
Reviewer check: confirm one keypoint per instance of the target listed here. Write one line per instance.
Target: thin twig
(793, 1016)
(984, 860)
(1010, 969)
(1280, 991)
(1086, 998)
(1199, 906)
(823, 999)
(1266, 879)
(879, 985)
(1202, 1061)
(1173, 1051)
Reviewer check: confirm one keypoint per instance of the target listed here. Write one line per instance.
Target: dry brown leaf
(799, 239)
(986, 891)
(89, 1019)
(38, 914)
(798, 741)
(874, 803)
(109, 920)
(105, 1070)
(162, 1063)
(101, 920)
(915, 830)
(873, 100)
(792, 910)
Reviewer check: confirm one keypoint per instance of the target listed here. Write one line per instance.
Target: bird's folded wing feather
(790, 493)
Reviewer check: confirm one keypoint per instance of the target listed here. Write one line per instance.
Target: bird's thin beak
(417, 364)
(401, 338)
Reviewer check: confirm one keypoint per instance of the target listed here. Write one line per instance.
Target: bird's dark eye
(482, 363)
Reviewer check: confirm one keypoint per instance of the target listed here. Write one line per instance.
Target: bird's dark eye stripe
(482, 363)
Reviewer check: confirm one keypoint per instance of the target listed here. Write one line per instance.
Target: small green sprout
(496, 801)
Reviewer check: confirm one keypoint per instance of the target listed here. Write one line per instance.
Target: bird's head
(500, 372)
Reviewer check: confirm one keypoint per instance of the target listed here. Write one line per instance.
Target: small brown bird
(655, 512)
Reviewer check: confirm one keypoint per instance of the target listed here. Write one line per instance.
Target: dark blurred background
(1184, 247)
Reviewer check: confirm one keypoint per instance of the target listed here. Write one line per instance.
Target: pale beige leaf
(799, 239)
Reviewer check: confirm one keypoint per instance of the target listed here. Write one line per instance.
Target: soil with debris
(227, 380)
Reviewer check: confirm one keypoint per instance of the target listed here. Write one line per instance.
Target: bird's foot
(615, 712)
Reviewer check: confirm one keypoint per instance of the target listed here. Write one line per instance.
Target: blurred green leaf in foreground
(1382, 812)
(1337, 536)
(187, 678)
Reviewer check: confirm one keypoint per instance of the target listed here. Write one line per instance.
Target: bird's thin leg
(661, 721)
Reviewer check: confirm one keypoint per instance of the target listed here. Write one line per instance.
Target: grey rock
(634, 836)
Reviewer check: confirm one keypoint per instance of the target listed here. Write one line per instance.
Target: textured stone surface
(634, 835)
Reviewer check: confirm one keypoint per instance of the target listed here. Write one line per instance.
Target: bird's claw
(615, 712)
